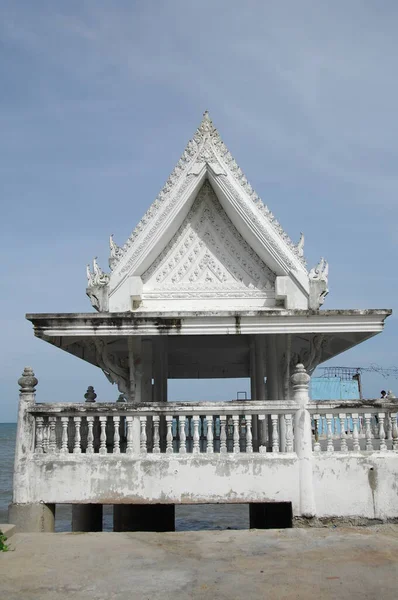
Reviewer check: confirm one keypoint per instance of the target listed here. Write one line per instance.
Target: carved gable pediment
(208, 258)
(152, 264)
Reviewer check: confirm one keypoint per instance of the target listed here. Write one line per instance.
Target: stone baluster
(330, 443)
(382, 433)
(210, 437)
(275, 433)
(39, 435)
(262, 421)
(223, 434)
(249, 435)
(90, 435)
(368, 432)
(64, 438)
(46, 435)
(182, 448)
(289, 433)
(235, 421)
(102, 449)
(169, 435)
(195, 448)
(52, 443)
(156, 435)
(343, 437)
(143, 437)
(394, 431)
(116, 434)
(303, 440)
(129, 435)
(77, 445)
(355, 435)
(388, 426)
(317, 445)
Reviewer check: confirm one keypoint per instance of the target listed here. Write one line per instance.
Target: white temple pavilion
(208, 285)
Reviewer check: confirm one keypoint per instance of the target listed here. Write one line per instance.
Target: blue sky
(98, 100)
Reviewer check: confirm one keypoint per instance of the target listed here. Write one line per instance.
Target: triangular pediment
(208, 258)
(206, 159)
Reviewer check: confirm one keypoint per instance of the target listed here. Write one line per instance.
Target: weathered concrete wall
(365, 486)
(126, 479)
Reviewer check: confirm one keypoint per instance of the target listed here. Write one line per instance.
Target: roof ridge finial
(206, 126)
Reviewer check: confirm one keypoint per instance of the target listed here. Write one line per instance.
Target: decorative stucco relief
(206, 147)
(209, 256)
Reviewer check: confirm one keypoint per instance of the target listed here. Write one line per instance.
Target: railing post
(27, 516)
(25, 440)
(303, 440)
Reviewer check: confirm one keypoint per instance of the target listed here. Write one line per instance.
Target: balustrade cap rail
(348, 405)
(169, 408)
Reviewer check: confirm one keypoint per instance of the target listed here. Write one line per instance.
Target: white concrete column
(303, 440)
(135, 368)
(259, 429)
(147, 371)
(272, 368)
(259, 367)
(161, 369)
(253, 389)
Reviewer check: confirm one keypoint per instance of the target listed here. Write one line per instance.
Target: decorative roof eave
(205, 153)
(366, 322)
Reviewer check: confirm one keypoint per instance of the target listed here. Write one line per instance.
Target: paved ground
(341, 563)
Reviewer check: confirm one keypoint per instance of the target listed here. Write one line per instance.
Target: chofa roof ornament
(319, 279)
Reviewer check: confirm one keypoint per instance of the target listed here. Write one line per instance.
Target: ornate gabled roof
(206, 157)
(206, 147)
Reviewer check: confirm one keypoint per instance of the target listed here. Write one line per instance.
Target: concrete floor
(343, 563)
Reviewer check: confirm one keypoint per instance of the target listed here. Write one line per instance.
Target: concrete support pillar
(272, 368)
(161, 369)
(147, 374)
(87, 517)
(303, 440)
(32, 518)
(144, 517)
(257, 360)
(135, 368)
(270, 515)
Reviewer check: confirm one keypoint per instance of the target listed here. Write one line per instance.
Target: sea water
(204, 516)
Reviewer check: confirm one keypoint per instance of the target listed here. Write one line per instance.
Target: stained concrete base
(344, 563)
(32, 518)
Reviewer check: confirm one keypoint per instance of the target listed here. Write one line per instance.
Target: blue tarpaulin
(333, 388)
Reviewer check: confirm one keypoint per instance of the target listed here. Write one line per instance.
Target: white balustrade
(215, 428)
